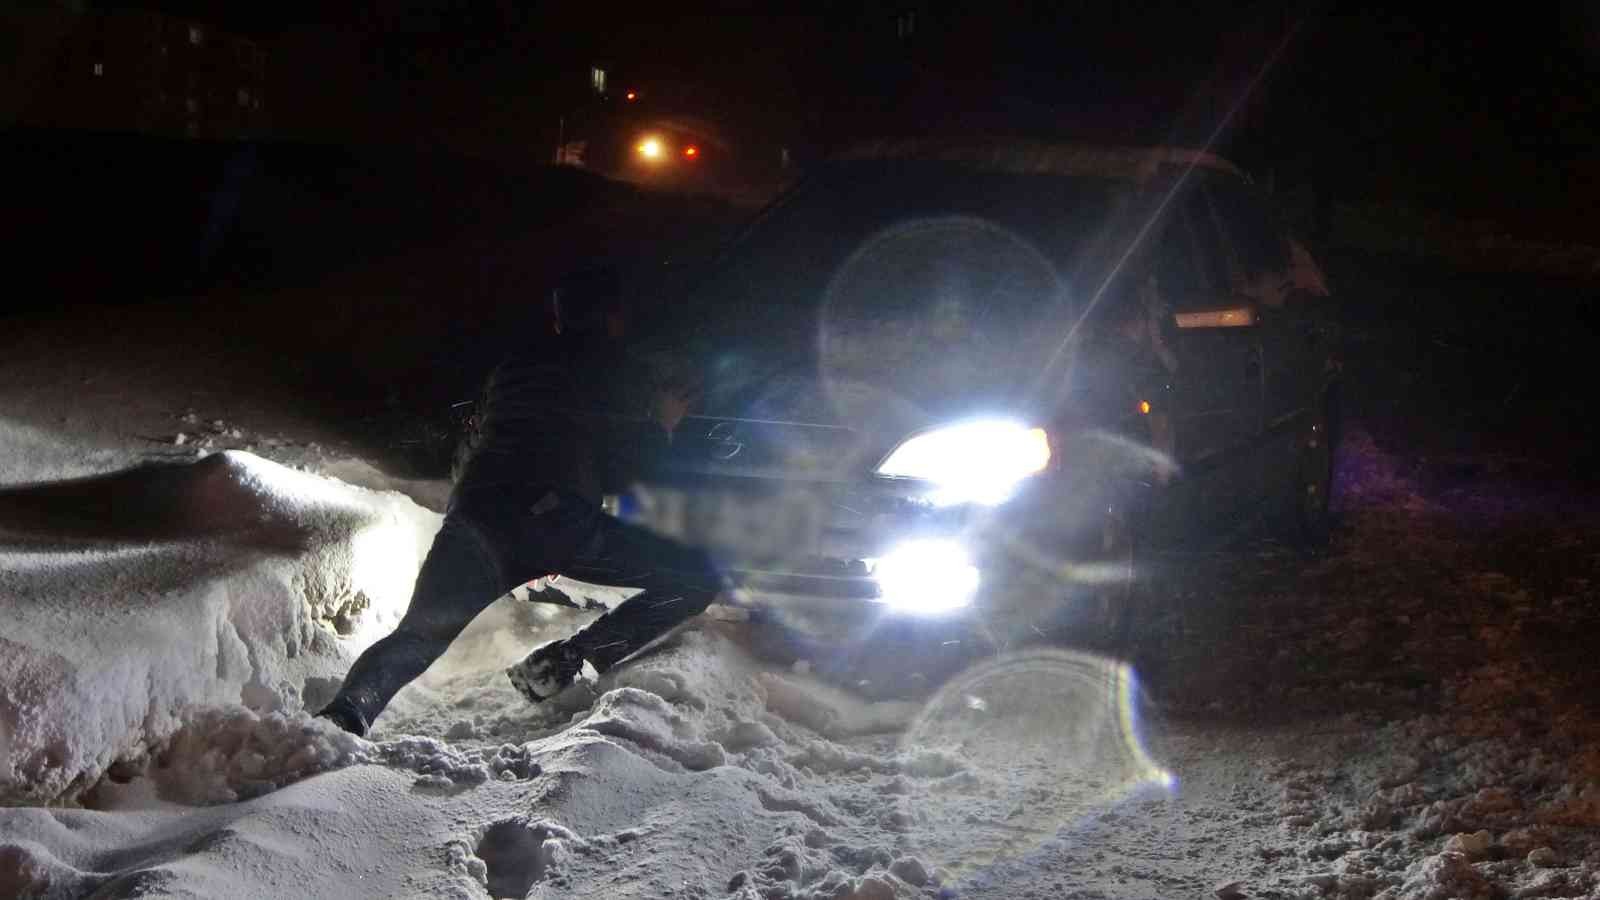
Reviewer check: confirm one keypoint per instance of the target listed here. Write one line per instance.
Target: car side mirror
(587, 302)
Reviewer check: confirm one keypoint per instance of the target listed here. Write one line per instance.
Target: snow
(107, 643)
(695, 771)
(160, 682)
(154, 689)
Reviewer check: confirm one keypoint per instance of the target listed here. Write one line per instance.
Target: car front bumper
(881, 544)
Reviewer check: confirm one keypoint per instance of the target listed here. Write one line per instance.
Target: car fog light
(925, 577)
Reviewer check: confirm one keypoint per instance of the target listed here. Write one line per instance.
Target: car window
(1174, 259)
(787, 258)
(1255, 247)
(888, 237)
(894, 266)
(1197, 246)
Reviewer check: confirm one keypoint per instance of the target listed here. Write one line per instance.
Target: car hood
(890, 373)
(774, 409)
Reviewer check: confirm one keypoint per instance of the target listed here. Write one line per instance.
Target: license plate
(752, 526)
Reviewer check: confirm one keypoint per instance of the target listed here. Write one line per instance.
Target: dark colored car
(977, 377)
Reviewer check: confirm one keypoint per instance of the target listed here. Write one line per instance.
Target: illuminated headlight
(926, 577)
(972, 462)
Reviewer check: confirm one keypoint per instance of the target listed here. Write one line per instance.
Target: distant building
(135, 70)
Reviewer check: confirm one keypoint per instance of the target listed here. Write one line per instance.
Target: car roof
(1036, 157)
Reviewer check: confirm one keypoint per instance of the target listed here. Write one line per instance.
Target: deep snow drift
(231, 580)
(160, 653)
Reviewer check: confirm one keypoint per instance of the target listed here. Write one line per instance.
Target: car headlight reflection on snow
(981, 461)
(926, 577)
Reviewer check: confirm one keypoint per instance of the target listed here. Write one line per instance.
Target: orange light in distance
(691, 151)
(651, 148)
(1144, 407)
(632, 96)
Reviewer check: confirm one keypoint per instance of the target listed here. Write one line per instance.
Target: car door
(1292, 335)
(1216, 388)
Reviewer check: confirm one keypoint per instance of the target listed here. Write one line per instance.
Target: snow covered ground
(154, 692)
(132, 597)
(160, 659)
(1410, 716)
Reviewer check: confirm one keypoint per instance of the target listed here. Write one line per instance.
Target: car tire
(1311, 489)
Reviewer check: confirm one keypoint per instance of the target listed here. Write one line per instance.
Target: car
(975, 380)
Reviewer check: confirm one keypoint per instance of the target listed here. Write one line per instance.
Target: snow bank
(226, 754)
(232, 580)
(174, 710)
(30, 454)
(695, 770)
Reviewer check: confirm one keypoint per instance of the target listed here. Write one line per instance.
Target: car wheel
(1312, 487)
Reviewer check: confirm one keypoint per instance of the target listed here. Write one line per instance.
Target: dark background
(1474, 111)
(396, 192)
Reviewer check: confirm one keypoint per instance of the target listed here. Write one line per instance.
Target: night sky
(1487, 112)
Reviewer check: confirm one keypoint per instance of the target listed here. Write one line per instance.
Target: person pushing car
(526, 504)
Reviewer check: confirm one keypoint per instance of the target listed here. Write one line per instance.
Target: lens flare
(1037, 744)
(924, 333)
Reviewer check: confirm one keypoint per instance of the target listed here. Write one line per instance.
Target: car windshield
(907, 209)
(906, 266)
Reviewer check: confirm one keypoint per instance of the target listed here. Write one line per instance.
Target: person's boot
(635, 623)
(546, 671)
(678, 583)
(344, 714)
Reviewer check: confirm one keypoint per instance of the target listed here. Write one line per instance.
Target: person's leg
(504, 527)
(459, 579)
(678, 582)
(494, 539)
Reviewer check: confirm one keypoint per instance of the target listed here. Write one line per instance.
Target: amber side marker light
(1229, 317)
(1144, 407)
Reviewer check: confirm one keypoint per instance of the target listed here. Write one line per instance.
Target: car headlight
(925, 577)
(981, 461)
